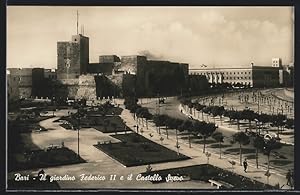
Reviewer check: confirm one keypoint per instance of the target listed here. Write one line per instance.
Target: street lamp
(78, 117)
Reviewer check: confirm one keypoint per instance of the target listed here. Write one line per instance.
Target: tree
(186, 126)
(249, 115)
(159, 121)
(207, 110)
(269, 146)
(264, 118)
(168, 123)
(279, 121)
(199, 108)
(242, 139)
(258, 143)
(219, 137)
(148, 116)
(175, 125)
(206, 130)
(217, 111)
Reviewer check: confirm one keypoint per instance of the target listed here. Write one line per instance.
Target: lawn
(26, 125)
(105, 124)
(205, 172)
(110, 111)
(43, 158)
(134, 150)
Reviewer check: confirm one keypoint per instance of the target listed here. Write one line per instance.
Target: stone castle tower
(72, 57)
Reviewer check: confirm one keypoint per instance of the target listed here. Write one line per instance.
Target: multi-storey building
(253, 76)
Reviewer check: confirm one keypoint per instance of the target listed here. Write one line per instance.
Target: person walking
(148, 168)
(245, 163)
(288, 178)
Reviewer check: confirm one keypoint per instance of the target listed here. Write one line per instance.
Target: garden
(134, 150)
(50, 157)
(207, 172)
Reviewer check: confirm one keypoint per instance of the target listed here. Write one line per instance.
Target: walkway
(199, 158)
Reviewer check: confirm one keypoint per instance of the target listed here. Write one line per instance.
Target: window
(238, 78)
(234, 73)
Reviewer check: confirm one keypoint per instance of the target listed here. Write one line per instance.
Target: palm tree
(219, 137)
(258, 143)
(242, 139)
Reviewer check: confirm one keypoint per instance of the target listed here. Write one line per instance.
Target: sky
(214, 36)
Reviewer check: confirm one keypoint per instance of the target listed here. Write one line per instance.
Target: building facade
(25, 80)
(12, 87)
(253, 76)
(72, 57)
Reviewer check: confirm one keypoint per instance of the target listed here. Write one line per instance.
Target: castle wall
(86, 88)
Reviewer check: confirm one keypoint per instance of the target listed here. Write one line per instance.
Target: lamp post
(79, 115)
(78, 138)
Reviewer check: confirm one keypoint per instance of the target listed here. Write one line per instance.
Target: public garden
(172, 134)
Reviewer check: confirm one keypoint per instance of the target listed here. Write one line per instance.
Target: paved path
(98, 163)
(200, 158)
(171, 108)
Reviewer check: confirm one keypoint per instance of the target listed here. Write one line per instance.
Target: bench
(220, 184)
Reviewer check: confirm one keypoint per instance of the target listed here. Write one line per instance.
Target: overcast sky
(215, 36)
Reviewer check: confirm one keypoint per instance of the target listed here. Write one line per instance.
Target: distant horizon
(214, 36)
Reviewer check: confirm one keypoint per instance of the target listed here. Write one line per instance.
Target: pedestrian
(148, 168)
(245, 163)
(288, 178)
